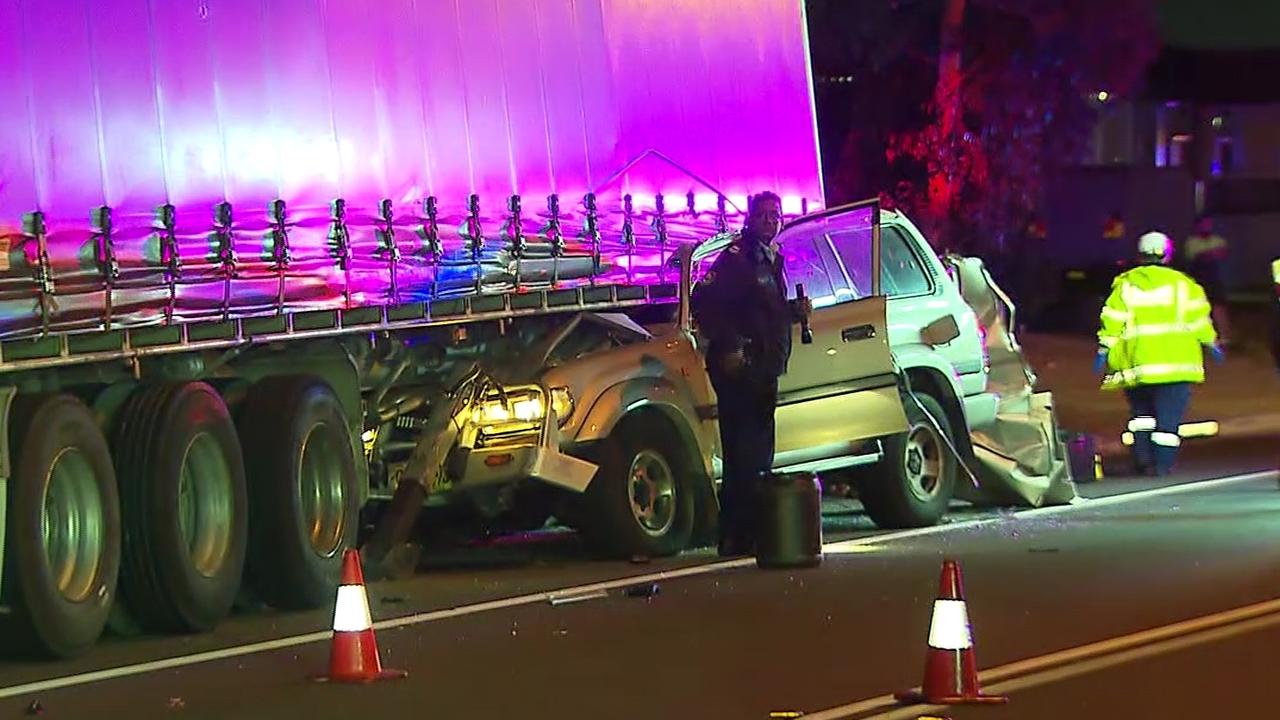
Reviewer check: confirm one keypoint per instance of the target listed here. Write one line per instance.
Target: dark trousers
(1155, 412)
(746, 407)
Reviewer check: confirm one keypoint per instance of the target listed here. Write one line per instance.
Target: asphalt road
(730, 641)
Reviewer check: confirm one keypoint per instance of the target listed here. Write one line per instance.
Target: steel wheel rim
(651, 493)
(72, 524)
(322, 494)
(923, 462)
(205, 505)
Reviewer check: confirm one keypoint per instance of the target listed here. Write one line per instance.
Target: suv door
(840, 389)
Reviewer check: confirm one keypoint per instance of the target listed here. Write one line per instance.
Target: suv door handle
(859, 332)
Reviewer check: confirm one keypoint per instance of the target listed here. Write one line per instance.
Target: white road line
(1084, 504)
(1106, 661)
(1083, 658)
(552, 595)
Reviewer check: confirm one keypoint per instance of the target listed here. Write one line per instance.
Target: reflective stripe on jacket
(1154, 326)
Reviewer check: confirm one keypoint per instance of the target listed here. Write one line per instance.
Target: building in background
(1203, 137)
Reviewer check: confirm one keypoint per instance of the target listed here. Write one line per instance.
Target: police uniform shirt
(741, 303)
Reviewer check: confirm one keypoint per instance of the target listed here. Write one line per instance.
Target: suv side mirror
(941, 331)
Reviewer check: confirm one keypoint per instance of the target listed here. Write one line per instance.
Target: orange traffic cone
(950, 669)
(353, 654)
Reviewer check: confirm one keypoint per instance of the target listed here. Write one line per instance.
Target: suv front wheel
(641, 501)
(913, 485)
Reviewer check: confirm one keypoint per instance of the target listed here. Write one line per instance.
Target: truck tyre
(62, 550)
(912, 486)
(185, 511)
(304, 491)
(641, 502)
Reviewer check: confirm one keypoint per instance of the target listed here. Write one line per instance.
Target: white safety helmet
(1156, 244)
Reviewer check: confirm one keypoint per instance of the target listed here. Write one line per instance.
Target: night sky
(1221, 24)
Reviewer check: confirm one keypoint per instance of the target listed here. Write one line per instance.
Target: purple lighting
(133, 104)
(307, 100)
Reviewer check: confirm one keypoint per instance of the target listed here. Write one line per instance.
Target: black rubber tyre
(641, 448)
(304, 490)
(62, 545)
(902, 491)
(182, 493)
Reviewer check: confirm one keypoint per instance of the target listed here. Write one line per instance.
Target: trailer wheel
(641, 502)
(304, 490)
(62, 552)
(183, 499)
(913, 485)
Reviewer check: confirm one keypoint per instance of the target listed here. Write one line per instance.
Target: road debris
(643, 590)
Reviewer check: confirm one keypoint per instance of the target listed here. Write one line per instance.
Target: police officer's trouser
(1155, 413)
(745, 411)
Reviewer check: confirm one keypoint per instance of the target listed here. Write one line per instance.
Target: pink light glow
(792, 204)
(334, 99)
(135, 103)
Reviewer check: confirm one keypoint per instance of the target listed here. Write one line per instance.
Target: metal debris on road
(643, 590)
(580, 597)
(35, 708)
(176, 703)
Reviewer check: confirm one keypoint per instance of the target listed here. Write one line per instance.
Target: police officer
(1154, 324)
(741, 307)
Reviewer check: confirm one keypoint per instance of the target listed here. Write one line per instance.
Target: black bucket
(790, 523)
(1081, 456)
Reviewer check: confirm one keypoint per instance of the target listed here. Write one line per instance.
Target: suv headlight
(520, 409)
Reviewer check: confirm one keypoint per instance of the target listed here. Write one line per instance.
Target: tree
(1014, 93)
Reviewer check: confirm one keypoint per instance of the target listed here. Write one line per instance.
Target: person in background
(1153, 328)
(1205, 254)
(1113, 232)
(741, 307)
(1275, 313)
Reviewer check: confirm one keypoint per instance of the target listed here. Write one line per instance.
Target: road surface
(1156, 599)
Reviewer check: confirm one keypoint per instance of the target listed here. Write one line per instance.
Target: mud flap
(387, 551)
(6, 399)
(385, 555)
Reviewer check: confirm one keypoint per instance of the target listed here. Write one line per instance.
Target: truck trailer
(262, 263)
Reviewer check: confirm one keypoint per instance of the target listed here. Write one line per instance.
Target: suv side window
(851, 248)
(813, 260)
(803, 264)
(900, 270)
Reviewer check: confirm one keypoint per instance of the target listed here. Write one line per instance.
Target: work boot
(1143, 470)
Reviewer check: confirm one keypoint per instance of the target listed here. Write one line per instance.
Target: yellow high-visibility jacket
(1155, 325)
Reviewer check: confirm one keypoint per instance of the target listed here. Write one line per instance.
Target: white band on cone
(352, 611)
(949, 629)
